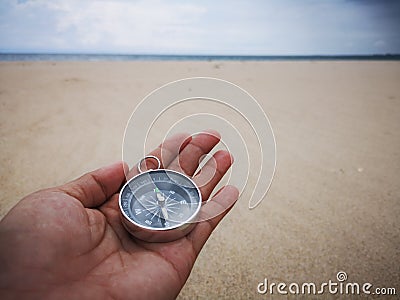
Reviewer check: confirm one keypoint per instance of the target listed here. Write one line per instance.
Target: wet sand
(334, 203)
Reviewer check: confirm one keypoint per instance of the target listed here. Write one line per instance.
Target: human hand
(68, 242)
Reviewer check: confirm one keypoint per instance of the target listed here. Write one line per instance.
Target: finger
(93, 188)
(212, 172)
(188, 160)
(165, 152)
(212, 213)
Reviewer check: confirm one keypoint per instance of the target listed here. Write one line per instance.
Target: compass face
(160, 200)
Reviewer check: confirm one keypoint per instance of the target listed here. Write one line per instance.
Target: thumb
(94, 188)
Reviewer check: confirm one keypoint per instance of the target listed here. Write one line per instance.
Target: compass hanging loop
(148, 157)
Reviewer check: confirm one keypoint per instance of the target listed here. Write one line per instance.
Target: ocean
(147, 57)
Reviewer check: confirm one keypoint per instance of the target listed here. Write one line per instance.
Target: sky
(208, 27)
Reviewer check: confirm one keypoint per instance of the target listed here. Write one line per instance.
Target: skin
(68, 242)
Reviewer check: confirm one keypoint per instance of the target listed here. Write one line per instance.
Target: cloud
(201, 27)
(128, 25)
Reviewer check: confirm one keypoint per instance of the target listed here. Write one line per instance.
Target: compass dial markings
(160, 199)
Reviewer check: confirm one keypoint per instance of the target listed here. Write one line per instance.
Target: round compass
(159, 205)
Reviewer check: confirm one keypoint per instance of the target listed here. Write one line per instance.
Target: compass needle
(165, 213)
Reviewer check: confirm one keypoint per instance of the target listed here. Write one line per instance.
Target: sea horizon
(18, 56)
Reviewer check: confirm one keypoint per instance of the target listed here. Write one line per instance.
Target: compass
(159, 205)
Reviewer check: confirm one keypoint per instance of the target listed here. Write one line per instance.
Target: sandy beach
(334, 203)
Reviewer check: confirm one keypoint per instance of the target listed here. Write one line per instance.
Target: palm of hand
(69, 241)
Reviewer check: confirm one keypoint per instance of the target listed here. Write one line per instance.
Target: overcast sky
(248, 27)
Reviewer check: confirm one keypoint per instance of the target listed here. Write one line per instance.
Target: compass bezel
(184, 223)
